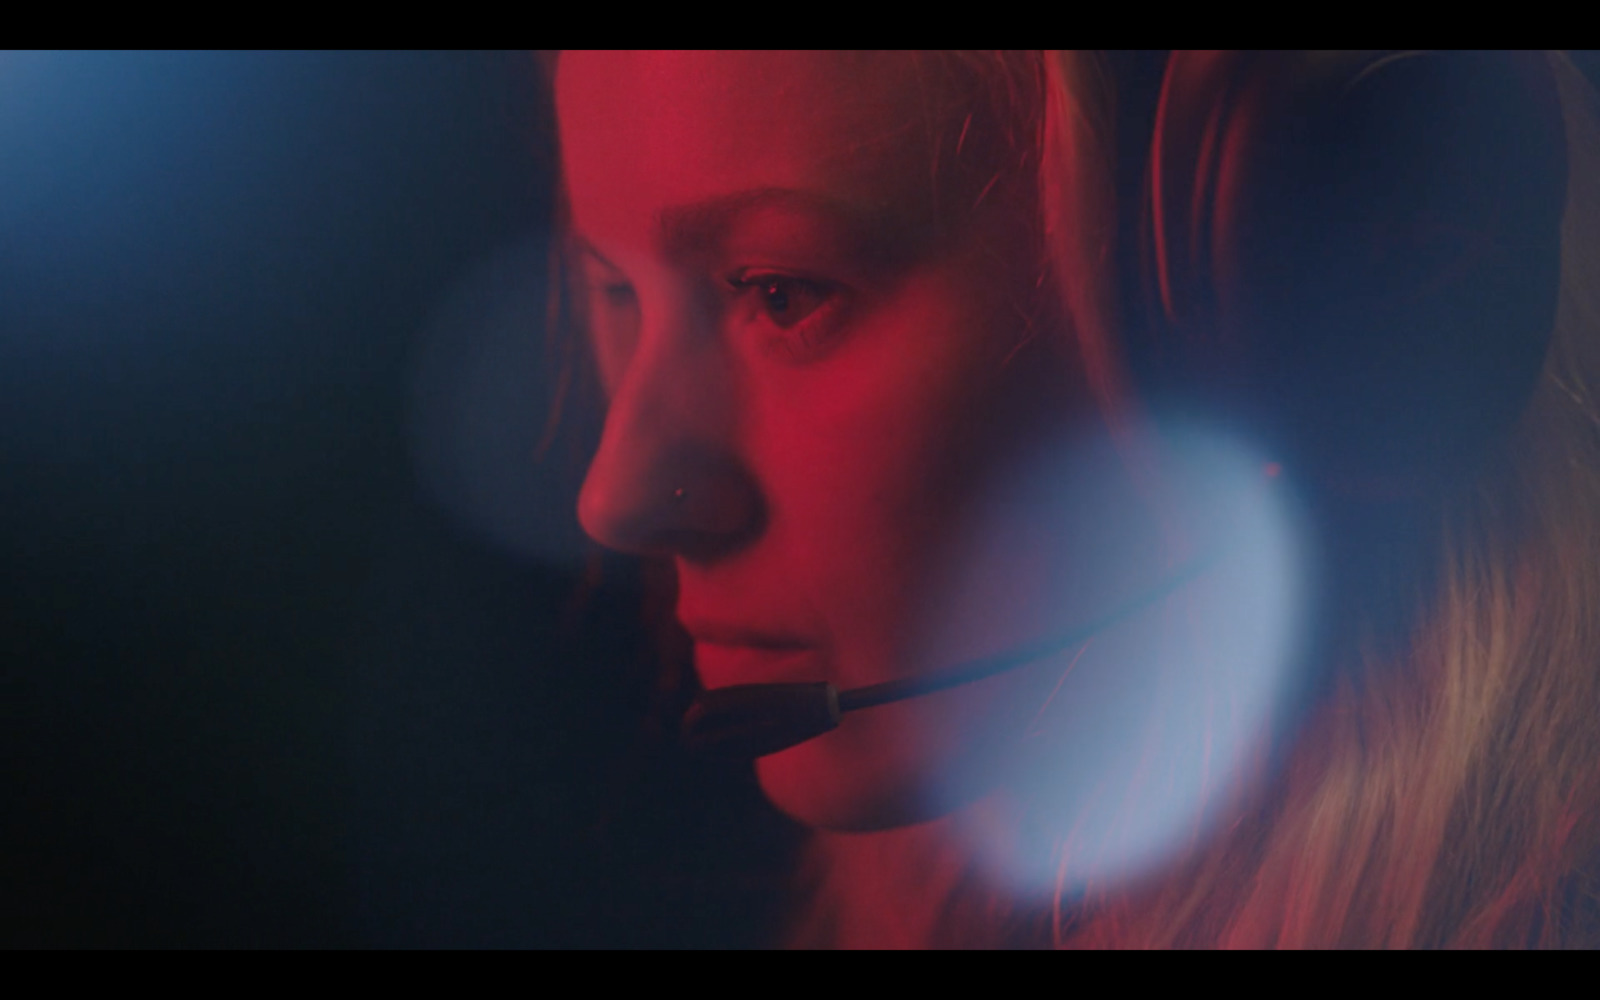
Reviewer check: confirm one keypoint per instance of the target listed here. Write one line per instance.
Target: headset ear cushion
(1359, 251)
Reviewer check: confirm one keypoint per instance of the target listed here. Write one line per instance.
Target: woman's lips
(722, 664)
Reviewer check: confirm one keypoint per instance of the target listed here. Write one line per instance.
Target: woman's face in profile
(813, 363)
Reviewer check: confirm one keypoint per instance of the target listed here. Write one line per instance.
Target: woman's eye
(785, 300)
(618, 295)
(613, 318)
(800, 314)
(605, 285)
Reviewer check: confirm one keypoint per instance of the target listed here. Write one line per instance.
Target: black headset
(1355, 253)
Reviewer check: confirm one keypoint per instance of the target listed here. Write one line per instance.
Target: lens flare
(1139, 741)
(477, 411)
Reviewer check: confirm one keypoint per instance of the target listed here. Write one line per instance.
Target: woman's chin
(829, 791)
(864, 776)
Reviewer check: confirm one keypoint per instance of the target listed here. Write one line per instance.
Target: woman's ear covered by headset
(1355, 251)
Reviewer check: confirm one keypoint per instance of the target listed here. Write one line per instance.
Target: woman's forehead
(650, 131)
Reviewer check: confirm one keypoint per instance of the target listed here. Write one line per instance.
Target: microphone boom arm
(754, 720)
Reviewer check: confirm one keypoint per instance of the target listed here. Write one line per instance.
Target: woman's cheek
(859, 450)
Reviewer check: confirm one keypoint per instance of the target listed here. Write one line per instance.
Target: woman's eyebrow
(693, 229)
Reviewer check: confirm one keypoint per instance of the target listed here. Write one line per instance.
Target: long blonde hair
(1447, 793)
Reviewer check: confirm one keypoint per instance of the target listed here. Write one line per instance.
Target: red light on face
(897, 490)
(793, 334)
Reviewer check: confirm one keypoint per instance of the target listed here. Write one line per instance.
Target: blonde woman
(1176, 474)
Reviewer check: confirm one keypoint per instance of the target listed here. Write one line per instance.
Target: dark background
(289, 647)
(294, 644)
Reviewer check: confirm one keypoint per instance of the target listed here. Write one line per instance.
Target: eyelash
(803, 337)
(617, 295)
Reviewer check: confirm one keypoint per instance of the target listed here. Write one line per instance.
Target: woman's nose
(667, 478)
